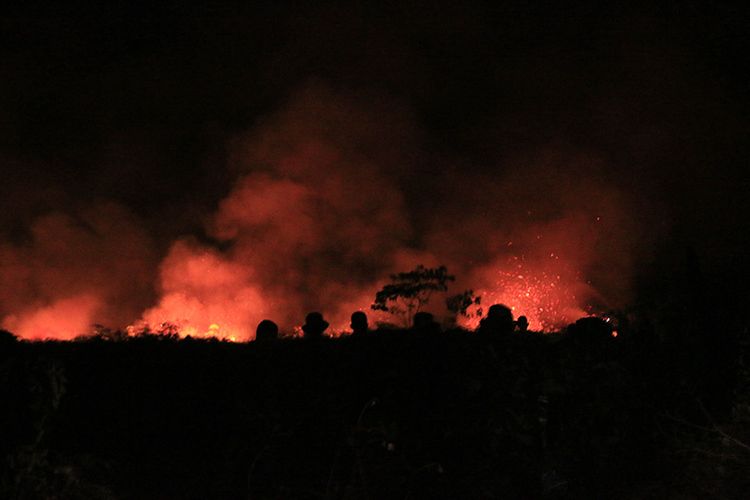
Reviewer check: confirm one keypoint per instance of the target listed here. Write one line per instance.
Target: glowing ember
(321, 211)
(547, 293)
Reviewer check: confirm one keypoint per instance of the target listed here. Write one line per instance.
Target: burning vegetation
(327, 201)
(346, 250)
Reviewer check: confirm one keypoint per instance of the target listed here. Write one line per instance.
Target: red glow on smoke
(94, 265)
(64, 319)
(329, 198)
(204, 295)
(548, 293)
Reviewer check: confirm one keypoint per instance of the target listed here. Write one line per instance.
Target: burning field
(327, 201)
(177, 176)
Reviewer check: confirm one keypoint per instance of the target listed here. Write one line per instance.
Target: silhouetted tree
(410, 291)
(460, 303)
(590, 332)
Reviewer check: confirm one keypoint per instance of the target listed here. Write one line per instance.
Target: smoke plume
(75, 270)
(332, 193)
(325, 206)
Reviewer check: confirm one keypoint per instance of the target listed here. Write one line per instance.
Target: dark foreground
(394, 415)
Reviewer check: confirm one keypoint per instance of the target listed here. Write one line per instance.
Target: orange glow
(320, 213)
(64, 319)
(546, 292)
(206, 295)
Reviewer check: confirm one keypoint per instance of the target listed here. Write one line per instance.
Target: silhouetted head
(422, 319)
(424, 322)
(499, 321)
(314, 325)
(359, 323)
(500, 312)
(523, 324)
(267, 330)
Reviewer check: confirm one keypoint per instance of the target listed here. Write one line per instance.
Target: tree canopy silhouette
(408, 292)
(460, 304)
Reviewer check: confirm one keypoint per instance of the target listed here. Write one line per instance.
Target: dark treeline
(416, 413)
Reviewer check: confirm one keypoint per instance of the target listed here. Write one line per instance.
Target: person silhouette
(314, 326)
(8, 341)
(523, 324)
(498, 323)
(359, 324)
(424, 324)
(267, 330)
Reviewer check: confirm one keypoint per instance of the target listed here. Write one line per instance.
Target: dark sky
(141, 104)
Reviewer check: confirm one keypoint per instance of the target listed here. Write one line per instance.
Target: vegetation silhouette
(460, 303)
(409, 292)
(416, 412)
(8, 341)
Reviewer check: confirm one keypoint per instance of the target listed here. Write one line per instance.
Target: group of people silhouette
(498, 322)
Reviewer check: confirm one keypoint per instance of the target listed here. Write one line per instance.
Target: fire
(185, 329)
(64, 319)
(547, 292)
(207, 295)
(329, 197)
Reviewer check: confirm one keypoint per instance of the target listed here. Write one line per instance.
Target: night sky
(285, 158)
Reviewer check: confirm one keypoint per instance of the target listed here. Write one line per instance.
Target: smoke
(206, 293)
(550, 236)
(73, 270)
(312, 223)
(328, 203)
(332, 193)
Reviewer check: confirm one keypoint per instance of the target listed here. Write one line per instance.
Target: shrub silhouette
(410, 291)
